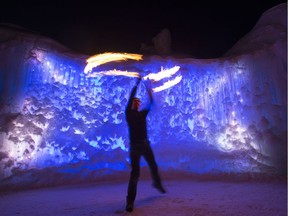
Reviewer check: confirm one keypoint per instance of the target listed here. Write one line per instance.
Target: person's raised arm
(149, 91)
(133, 92)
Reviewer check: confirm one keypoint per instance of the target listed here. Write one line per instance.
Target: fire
(162, 74)
(115, 73)
(103, 58)
(168, 84)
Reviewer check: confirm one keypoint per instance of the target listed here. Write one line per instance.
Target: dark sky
(203, 30)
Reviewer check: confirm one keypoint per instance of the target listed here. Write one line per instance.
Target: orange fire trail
(168, 84)
(115, 73)
(162, 74)
(103, 58)
(100, 59)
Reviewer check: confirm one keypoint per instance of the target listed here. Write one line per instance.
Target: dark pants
(136, 151)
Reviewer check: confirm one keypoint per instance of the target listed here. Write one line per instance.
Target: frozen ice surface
(227, 116)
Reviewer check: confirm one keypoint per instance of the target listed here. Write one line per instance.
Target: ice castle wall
(227, 115)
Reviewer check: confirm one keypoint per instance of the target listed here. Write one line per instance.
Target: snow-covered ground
(185, 196)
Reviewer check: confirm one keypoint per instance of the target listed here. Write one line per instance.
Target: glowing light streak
(103, 58)
(99, 59)
(167, 73)
(168, 84)
(115, 73)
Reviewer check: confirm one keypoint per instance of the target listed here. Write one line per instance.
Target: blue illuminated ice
(226, 115)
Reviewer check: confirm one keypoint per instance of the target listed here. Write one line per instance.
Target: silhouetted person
(139, 146)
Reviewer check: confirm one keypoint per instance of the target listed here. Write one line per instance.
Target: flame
(168, 84)
(162, 74)
(103, 58)
(115, 73)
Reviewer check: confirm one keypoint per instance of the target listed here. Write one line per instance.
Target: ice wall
(226, 116)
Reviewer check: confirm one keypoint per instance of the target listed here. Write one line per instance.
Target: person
(139, 145)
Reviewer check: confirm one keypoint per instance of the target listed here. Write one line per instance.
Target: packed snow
(184, 197)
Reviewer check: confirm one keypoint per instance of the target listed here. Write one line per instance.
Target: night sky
(200, 30)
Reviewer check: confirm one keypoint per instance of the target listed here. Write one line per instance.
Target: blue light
(209, 122)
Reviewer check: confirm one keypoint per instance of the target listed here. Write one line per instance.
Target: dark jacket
(137, 119)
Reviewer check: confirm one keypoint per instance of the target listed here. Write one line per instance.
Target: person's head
(135, 103)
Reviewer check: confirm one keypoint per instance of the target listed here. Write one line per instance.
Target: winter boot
(159, 187)
(129, 205)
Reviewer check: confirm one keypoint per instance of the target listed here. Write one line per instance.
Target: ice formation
(224, 116)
